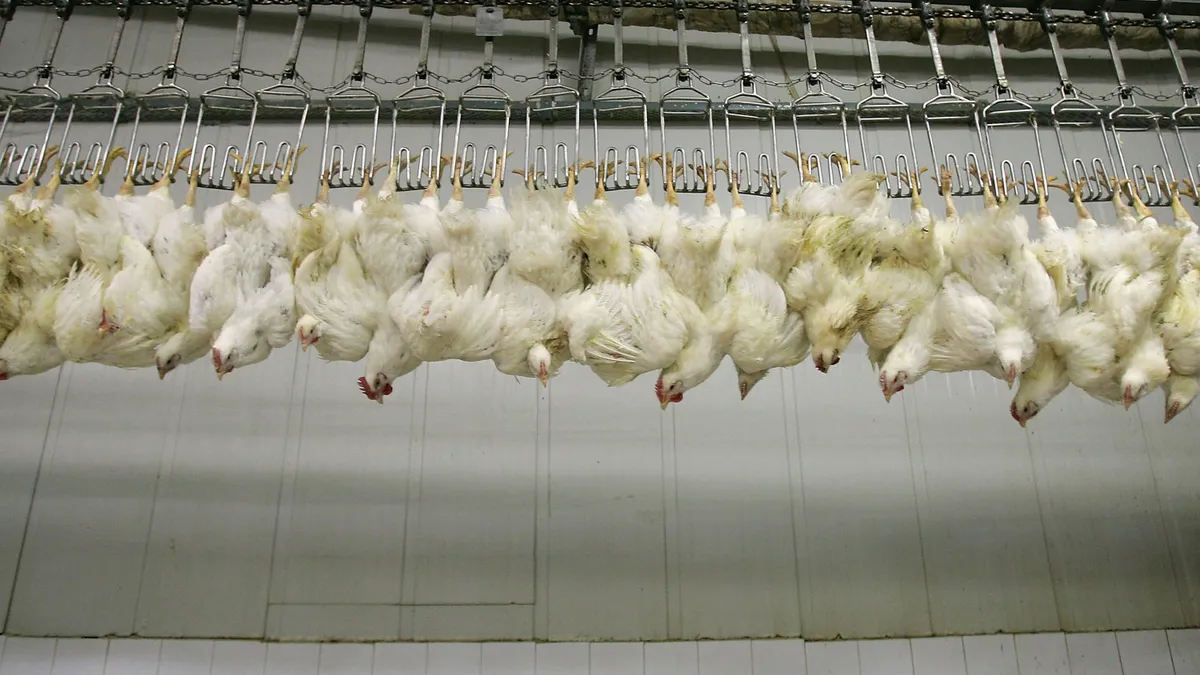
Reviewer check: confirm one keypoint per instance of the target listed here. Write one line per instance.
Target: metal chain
(474, 73)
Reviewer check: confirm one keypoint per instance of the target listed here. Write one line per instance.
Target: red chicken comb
(658, 388)
(366, 389)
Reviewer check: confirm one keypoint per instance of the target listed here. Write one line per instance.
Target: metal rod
(239, 41)
(303, 10)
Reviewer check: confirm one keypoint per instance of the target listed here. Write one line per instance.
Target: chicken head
(308, 331)
(539, 363)
(892, 383)
(1181, 390)
(668, 389)
(746, 381)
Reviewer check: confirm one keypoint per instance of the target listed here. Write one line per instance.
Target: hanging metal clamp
(365, 9)
(7, 9)
(422, 74)
(743, 17)
(987, 18)
(303, 10)
(1049, 23)
(489, 24)
(552, 71)
(929, 22)
(684, 73)
(619, 69)
(867, 15)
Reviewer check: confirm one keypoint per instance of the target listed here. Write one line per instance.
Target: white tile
(400, 658)
(73, 656)
(467, 622)
(943, 656)
(831, 658)
(338, 659)
(862, 552)
(185, 657)
(885, 657)
(509, 658)
(294, 659)
(972, 464)
(778, 657)
(605, 531)
(82, 562)
(132, 657)
(1145, 652)
(1185, 651)
(1094, 654)
(718, 527)
(27, 656)
(454, 658)
(672, 658)
(239, 657)
(616, 658)
(203, 575)
(1108, 547)
(1043, 654)
(561, 658)
(726, 656)
(477, 480)
(333, 622)
(24, 418)
(341, 517)
(990, 654)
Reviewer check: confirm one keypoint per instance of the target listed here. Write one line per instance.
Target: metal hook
(620, 102)
(684, 102)
(233, 99)
(1006, 111)
(353, 101)
(168, 98)
(40, 98)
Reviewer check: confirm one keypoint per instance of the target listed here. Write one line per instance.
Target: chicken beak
(1172, 411)
(743, 390)
(544, 379)
(664, 403)
(887, 395)
(220, 374)
(1012, 376)
(819, 362)
(1128, 398)
(303, 345)
(1021, 422)
(162, 374)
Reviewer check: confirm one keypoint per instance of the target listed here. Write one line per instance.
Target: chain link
(671, 75)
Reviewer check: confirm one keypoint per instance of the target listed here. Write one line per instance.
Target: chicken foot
(97, 177)
(947, 187)
(1075, 192)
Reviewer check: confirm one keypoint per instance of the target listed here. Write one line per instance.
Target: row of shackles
(998, 121)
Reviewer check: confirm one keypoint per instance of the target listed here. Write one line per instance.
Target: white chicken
(902, 278)
(234, 270)
(827, 284)
(80, 326)
(629, 320)
(336, 304)
(179, 248)
(701, 257)
(765, 334)
(543, 265)
(450, 315)
(264, 321)
(394, 245)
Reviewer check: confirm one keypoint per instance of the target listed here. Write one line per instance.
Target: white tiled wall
(1175, 652)
(279, 504)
